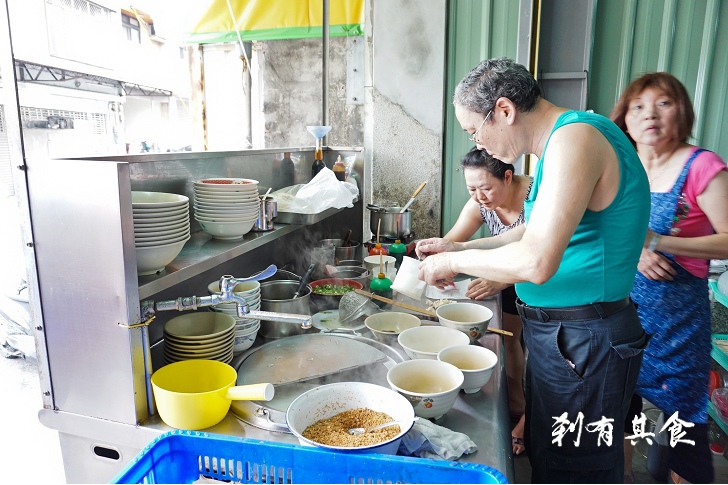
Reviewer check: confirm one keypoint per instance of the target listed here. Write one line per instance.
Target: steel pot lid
(298, 363)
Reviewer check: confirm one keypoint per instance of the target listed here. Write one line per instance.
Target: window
(131, 28)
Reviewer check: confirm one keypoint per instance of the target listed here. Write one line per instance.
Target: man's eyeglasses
(475, 135)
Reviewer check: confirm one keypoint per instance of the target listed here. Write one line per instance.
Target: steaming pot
(391, 219)
(277, 296)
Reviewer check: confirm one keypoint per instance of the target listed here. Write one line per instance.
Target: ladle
(304, 279)
(412, 199)
(359, 431)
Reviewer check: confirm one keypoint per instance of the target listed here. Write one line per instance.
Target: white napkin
(456, 293)
(429, 440)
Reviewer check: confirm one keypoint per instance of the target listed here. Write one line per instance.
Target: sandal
(518, 445)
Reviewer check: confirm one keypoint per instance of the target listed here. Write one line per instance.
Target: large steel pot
(391, 220)
(277, 296)
(342, 252)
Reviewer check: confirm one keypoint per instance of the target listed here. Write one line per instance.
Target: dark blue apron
(676, 363)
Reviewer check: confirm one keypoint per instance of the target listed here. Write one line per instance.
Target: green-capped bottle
(382, 286)
(397, 250)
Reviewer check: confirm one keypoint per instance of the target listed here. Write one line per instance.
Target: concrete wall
(405, 96)
(292, 91)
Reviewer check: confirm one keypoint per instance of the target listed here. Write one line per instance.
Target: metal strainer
(353, 305)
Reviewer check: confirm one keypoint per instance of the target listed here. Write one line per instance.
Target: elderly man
(573, 264)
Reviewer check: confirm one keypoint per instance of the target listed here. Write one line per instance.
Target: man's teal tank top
(600, 262)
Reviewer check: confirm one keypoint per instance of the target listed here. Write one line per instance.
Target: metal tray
(307, 219)
(271, 415)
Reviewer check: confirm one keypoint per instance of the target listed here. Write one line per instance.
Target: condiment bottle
(377, 249)
(318, 159)
(339, 169)
(288, 170)
(382, 286)
(397, 250)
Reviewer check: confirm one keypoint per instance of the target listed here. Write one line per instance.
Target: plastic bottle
(288, 170)
(318, 162)
(382, 286)
(377, 249)
(339, 169)
(397, 250)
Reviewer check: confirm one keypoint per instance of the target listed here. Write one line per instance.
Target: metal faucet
(227, 295)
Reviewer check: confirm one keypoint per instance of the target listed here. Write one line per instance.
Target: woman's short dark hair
(476, 158)
(673, 89)
(497, 78)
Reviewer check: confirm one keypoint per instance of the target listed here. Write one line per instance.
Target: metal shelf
(202, 252)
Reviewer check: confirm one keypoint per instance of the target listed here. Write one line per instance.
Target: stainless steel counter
(483, 416)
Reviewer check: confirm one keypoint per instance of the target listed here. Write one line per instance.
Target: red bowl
(321, 302)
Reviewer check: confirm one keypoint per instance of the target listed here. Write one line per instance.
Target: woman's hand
(436, 271)
(655, 266)
(481, 288)
(434, 245)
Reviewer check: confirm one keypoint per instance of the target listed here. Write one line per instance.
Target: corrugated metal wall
(477, 30)
(687, 38)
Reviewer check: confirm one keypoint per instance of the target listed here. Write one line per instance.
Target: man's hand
(434, 245)
(436, 271)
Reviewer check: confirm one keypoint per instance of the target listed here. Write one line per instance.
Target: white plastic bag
(323, 192)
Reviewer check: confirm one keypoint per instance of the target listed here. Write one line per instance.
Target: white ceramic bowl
(244, 340)
(223, 217)
(157, 200)
(153, 259)
(164, 231)
(141, 214)
(172, 237)
(223, 199)
(387, 326)
(470, 318)
(424, 342)
(226, 183)
(162, 220)
(142, 229)
(227, 230)
(198, 326)
(227, 212)
(154, 244)
(431, 386)
(475, 362)
(326, 401)
(226, 218)
(237, 204)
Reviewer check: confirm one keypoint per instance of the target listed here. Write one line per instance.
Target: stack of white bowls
(199, 335)
(246, 329)
(226, 208)
(161, 228)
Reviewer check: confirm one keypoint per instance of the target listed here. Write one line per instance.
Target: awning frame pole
(325, 64)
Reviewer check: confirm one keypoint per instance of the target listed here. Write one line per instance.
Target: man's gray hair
(497, 78)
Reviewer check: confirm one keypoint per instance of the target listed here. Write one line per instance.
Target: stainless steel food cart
(94, 358)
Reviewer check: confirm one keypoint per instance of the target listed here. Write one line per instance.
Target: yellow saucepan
(196, 394)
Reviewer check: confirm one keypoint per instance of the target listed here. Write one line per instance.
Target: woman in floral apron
(688, 227)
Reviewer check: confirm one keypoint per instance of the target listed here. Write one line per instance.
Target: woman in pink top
(688, 227)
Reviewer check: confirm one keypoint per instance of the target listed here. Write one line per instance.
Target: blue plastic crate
(185, 456)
